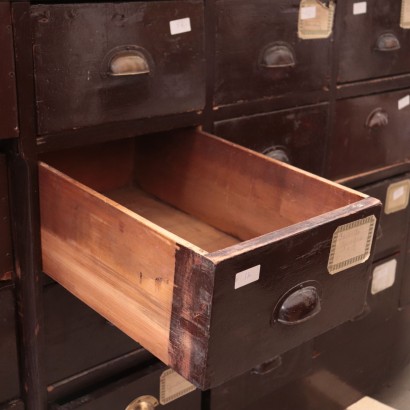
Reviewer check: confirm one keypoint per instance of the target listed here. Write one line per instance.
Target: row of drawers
(115, 62)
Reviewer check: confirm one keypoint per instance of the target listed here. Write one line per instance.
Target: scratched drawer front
(8, 100)
(9, 376)
(119, 395)
(249, 389)
(6, 257)
(295, 136)
(245, 32)
(76, 337)
(97, 63)
(372, 44)
(392, 230)
(369, 133)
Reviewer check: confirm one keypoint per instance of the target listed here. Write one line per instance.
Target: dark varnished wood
(117, 395)
(393, 228)
(9, 372)
(71, 67)
(6, 256)
(355, 147)
(70, 330)
(243, 30)
(13, 405)
(298, 132)
(359, 57)
(25, 220)
(8, 99)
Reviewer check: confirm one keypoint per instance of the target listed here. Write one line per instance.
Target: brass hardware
(277, 152)
(377, 118)
(128, 63)
(143, 403)
(388, 42)
(277, 55)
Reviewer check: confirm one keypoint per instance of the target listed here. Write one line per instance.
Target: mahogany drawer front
(405, 286)
(76, 337)
(8, 99)
(97, 63)
(201, 250)
(13, 405)
(6, 256)
(252, 387)
(245, 33)
(392, 231)
(148, 382)
(9, 374)
(369, 133)
(295, 136)
(372, 44)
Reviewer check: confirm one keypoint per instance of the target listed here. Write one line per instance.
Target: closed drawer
(76, 337)
(392, 230)
(259, 54)
(9, 376)
(97, 63)
(255, 387)
(372, 43)
(294, 136)
(204, 251)
(369, 133)
(155, 387)
(14, 405)
(6, 257)
(8, 100)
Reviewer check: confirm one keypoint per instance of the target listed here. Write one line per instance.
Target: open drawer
(213, 257)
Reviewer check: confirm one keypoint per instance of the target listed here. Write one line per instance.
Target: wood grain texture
(82, 230)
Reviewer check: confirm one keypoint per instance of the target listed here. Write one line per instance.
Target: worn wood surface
(8, 97)
(6, 252)
(78, 80)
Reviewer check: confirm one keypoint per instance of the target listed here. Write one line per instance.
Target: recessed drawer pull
(277, 152)
(277, 55)
(127, 63)
(388, 42)
(267, 367)
(299, 306)
(143, 403)
(377, 118)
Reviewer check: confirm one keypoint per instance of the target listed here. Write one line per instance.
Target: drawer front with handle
(369, 133)
(293, 136)
(259, 54)
(116, 61)
(372, 42)
(213, 257)
(154, 387)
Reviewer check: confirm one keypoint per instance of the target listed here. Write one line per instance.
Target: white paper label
(405, 14)
(367, 403)
(404, 102)
(173, 386)
(397, 196)
(351, 244)
(307, 13)
(360, 8)
(180, 26)
(247, 276)
(384, 276)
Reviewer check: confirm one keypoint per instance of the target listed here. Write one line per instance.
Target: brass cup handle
(388, 42)
(377, 118)
(277, 55)
(143, 403)
(277, 152)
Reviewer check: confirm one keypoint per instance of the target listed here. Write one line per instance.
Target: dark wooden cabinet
(258, 54)
(294, 136)
(9, 374)
(369, 133)
(105, 62)
(372, 43)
